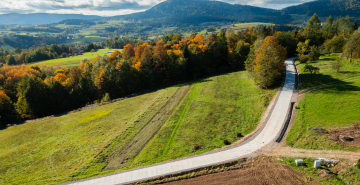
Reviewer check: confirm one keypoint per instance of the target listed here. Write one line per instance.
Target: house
(82, 49)
(92, 50)
(76, 52)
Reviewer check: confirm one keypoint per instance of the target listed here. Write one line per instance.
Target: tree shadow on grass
(321, 79)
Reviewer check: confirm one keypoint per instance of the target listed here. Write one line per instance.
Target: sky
(112, 7)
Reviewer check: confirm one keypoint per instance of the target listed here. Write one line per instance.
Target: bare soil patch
(262, 170)
(349, 136)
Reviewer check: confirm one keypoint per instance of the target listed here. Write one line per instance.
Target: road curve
(267, 136)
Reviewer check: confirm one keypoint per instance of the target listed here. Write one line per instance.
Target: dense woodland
(26, 42)
(29, 92)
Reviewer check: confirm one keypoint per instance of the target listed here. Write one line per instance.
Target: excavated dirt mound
(347, 136)
(262, 170)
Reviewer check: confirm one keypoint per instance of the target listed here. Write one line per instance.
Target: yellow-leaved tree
(269, 62)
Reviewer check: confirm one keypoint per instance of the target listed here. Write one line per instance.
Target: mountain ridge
(41, 18)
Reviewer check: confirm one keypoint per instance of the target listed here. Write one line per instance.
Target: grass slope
(138, 131)
(330, 108)
(73, 61)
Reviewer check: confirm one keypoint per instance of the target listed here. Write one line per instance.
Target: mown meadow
(74, 60)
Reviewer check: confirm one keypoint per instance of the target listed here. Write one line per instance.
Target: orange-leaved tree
(269, 62)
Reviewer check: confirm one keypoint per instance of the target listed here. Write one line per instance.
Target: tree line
(29, 92)
(19, 56)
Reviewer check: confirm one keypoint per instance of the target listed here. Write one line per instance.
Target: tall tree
(269, 62)
(313, 32)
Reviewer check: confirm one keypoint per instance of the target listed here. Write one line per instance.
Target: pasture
(327, 114)
(150, 128)
(73, 60)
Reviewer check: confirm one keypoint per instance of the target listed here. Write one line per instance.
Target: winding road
(266, 136)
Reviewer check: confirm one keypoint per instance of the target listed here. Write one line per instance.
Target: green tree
(351, 48)
(328, 27)
(335, 44)
(11, 61)
(303, 48)
(7, 111)
(33, 98)
(240, 55)
(313, 32)
(314, 53)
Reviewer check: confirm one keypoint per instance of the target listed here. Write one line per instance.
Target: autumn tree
(269, 62)
(128, 52)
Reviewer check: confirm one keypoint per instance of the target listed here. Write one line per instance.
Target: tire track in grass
(170, 141)
(134, 146)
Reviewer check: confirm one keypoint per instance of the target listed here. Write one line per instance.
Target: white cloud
(111, 7)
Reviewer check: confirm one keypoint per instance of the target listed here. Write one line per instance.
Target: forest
(29, 92)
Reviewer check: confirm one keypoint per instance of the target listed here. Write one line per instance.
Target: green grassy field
(73, 61)
(150, 128)
(327, 74)
(329, 108)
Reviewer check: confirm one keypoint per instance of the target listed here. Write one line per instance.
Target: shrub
(358, 164)
(196, 147)
(107, 98)
(337, 65)
(239, 135)
(226, 142)
(303, 59)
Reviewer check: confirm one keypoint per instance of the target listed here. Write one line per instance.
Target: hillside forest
(29, 92)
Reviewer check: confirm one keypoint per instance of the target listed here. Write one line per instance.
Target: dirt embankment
(262, 170)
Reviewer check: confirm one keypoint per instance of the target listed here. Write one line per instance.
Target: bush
(226, 142)
(107, 98)
(337, 65)
(303, 59)
(358, 164)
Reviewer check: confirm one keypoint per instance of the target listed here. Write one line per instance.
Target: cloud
(112, 7)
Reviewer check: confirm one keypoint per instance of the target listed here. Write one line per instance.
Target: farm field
(234, 27)
(73, 61)
(328, 115)
(129, 133)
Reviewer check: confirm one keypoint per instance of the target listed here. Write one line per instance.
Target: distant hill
(325, 8)
(41, 18)
(173, 12)
(195, 11)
